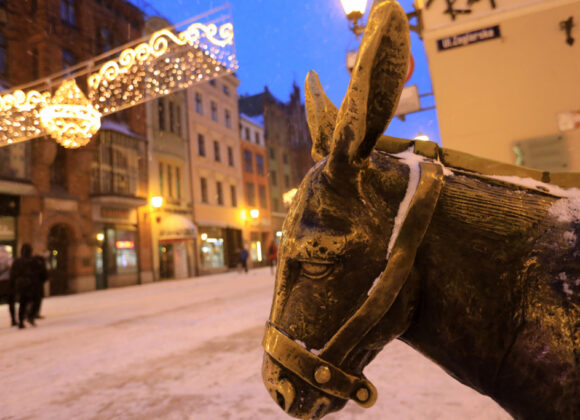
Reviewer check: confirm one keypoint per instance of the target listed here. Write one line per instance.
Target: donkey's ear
(321, 116)
(375, 86)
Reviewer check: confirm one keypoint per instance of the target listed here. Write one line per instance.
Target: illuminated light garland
(70, 118)
(167, 62)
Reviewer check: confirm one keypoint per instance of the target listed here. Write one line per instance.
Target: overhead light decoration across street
(139, 71)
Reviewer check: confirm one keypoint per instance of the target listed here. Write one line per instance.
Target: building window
(233, 196)
(214, 111)
(161, 179)
(177, 120)
(170, 181)
(35, 63)
(68, 59)
(230, 156)
(248, 164)
(257, 137)
(275, 204)
(216, 151)
(272, 153)
(228, 119)
(287, 181)
(203, 190)
(273, 178)
(226, 90)
(220, 193)
(212, 82)
(285, 158)
(260, 164)
(3, 54)
(171, 117)
(262, 194)
(67, 12)
(198, 103)
(200, 145)
(247, 133)
(104, 40)
(178, 182)
(250, 194)
(161, 113)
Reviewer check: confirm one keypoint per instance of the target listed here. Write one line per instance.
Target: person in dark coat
(42, 277)
(272, 256)
(26, 274)
(244, 259)
(5, 264)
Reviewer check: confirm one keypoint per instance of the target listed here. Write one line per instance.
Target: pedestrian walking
(272, 256)
(41, 276)
(26, 273)
(7, 289)
(244, 259)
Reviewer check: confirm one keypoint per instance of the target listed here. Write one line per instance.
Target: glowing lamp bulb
(354, 6)
(156, 202)
(255, 213)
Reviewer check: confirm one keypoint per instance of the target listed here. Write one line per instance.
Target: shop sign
(114, 213)
(57, 204)
(468, 38)
(124, 244)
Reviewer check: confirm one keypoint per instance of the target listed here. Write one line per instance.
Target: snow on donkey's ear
(374, 90)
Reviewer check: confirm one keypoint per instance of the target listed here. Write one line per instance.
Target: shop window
(248, 161)
(200, 145)
(123, 248)
(67, 12)
(216, 151)
(262, 194)
(259, 164)
(212, 248)
(198, 103)
(250, 194)
(230, 156)
(233, 195)
(203, 182)
(220, 193)
(214, 111)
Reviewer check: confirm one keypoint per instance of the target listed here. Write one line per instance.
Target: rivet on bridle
(362, 394)
(322, 374)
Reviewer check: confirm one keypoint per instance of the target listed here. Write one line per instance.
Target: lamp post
(355, 9)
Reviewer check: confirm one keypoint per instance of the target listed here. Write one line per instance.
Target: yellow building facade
(506, 79)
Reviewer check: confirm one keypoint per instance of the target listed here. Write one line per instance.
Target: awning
(174, 226)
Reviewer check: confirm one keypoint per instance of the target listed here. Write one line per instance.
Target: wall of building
(510, 89)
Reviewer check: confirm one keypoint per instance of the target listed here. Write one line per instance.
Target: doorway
(58, 243)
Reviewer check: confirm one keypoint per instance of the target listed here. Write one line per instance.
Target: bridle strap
(316, 371)
(398, 268)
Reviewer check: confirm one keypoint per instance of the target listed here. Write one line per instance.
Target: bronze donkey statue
(396, 239)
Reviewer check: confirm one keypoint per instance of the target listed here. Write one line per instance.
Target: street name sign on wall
(468, 38)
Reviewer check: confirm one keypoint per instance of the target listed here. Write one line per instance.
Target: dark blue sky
(279, 41)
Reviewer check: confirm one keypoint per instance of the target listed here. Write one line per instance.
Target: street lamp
(355, 10)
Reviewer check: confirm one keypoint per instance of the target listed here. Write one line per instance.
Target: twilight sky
(279, 41)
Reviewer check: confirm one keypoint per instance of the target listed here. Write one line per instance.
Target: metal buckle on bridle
(323, 371)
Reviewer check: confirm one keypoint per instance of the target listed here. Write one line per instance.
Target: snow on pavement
(188, 349)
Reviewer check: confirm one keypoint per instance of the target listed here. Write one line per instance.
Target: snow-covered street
(188, 349)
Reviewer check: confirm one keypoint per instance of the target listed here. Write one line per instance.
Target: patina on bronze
(390, 238)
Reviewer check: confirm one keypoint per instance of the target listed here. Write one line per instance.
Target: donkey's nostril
(285, 394)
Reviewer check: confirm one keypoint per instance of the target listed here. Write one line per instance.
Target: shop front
(176, 246)
(219, 248)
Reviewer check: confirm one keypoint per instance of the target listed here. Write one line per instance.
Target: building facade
(506, 79)
(216, 175)
(77, 206)
(258, 232)
(288, 145)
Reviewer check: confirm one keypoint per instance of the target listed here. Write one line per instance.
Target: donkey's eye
(315, 270)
